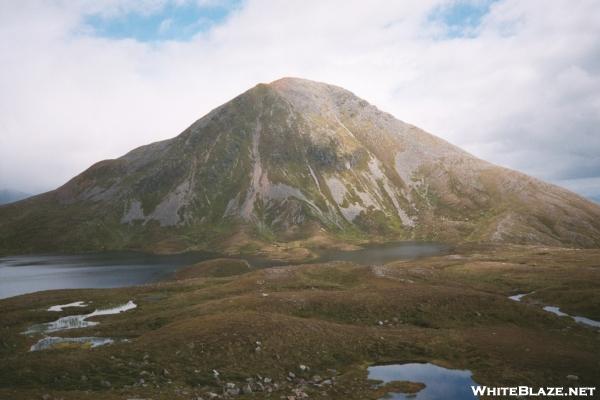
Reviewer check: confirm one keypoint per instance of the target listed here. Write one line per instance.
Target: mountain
(295, 164)
(9, 196)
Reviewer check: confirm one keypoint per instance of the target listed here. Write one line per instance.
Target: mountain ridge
(295, 164)
(10, 196)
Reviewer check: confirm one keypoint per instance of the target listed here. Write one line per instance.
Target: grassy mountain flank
(291, 165)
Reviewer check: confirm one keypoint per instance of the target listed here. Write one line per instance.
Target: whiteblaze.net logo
(528, 391)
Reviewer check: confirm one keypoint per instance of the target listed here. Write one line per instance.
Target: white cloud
(165, 25)
(523, 92)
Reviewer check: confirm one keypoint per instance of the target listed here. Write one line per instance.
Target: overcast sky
(514, 82)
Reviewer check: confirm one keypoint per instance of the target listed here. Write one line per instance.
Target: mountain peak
(316, 98)
(292, 84)
(296, 161)
(297, 82)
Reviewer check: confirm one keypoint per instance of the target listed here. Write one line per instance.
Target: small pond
(77, 321)
(73, 322)
(440, 383)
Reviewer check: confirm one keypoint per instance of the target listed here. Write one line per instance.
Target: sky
(514, 82)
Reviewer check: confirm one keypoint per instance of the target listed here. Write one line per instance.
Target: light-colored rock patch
(133, 213)
(167, 211)
(378, 174)
(258, 180)
(336, 188)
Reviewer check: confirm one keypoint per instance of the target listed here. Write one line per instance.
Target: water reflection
(556, 311)
(519, 297)
(60, 307)
(386, 253)
(52, 341)
(27, 274)
(77, 321)
(578, 319)
(440, 383)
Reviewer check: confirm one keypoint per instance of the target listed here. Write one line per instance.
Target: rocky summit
(295, 164)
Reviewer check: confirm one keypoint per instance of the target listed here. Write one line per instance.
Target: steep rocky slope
(295, 161)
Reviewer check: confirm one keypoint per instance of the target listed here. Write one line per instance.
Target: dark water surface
(440, 383)
(381, 254)
(26, 274)
(32, 273)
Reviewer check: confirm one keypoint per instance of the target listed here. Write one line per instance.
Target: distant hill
(299, 163)
(9, 196)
